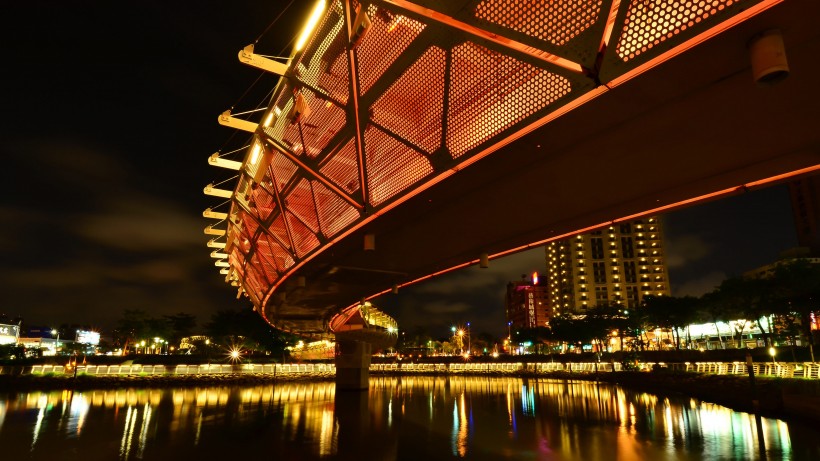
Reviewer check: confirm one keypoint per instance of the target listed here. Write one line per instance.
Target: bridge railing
(200, 369)
(806, 370)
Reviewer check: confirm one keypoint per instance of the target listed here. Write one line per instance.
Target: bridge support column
(353, 365)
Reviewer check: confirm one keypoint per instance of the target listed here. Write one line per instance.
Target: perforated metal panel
(323, 65)
(318, 127)
(265, 245)
(334, 213)
(300, 203)
(414, 111)
(278, 229)
(343, 167)
(303, 238)
(649, 23)
(263, 202)
(490, 92)
(392, 166)
(645, 30)
(554, 21)
(388, 37)
(283, 169)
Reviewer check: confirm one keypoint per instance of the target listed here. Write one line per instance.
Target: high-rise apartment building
(619, 264)
(527, 303)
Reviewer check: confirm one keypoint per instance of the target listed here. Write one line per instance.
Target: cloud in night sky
(685, 249)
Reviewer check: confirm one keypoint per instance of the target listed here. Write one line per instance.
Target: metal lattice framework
(390, 97)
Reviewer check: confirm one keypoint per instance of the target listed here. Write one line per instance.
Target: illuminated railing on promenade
(779, 369)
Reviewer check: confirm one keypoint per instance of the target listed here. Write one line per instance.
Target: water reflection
(400, 418)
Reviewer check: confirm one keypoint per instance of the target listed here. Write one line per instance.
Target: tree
(245, 328)
(181, 325)
(671, 312)
(712, 309)
(797, 292)
(749, 298)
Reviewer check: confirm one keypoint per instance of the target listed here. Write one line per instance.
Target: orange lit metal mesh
(249, 228)
(300, 203)
(412, 107)
(382, 44)
(265, 245)
(277, 229)
(554, 21)
(335, 214)
(283, 169)
(343, 168)
(254, 281)
(324, 121)
(303, 239)
(281, 258)
(650, 23)
(325, 56)
(263, 202)
(284, 102)
(391, 166)
(263, 264)
(490, 92)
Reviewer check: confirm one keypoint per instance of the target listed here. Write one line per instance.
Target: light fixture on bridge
(484, 261)
(315, 15)
(369, 242)
(222, 263)
(768, 56)
(259, 159)
(216, 254)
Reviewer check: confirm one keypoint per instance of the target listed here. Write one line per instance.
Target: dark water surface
(418, 418)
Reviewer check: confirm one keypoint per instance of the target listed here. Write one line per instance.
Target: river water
(409, 418)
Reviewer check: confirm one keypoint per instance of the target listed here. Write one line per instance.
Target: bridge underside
(691, 126)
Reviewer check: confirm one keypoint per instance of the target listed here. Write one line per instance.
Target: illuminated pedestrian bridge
(407, 138)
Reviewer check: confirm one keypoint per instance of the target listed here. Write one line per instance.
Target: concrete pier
(353, 365)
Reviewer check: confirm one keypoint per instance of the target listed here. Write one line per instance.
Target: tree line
(227, 328)
(790, 295)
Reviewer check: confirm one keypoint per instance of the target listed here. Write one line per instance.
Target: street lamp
(469, 340)
(55, 332)
(772, 352)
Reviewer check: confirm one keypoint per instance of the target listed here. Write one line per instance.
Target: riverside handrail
(778, 369)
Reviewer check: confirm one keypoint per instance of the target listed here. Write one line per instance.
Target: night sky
(108, 119)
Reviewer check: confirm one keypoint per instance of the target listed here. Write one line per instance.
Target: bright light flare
(235, 354)
(311, 24)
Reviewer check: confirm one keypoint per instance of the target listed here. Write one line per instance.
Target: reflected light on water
(463, 417)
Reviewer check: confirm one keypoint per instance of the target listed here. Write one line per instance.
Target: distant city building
(619, 264)
(527, 303)
(805, 197)
(9, 333)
